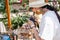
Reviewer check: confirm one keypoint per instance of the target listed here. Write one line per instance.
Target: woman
(49, 26)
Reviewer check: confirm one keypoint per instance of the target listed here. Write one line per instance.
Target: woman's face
(38, 11)
(34, 9)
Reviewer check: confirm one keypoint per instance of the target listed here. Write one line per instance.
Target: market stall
(20, 22)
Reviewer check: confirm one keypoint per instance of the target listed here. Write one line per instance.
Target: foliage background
(2, 4)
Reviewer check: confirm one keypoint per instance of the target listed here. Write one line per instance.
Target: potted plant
(18, 21)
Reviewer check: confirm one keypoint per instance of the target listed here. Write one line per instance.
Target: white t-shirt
(57, 35)
(48, 26)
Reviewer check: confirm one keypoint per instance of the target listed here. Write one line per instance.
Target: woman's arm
(36, 34)
(48, 30)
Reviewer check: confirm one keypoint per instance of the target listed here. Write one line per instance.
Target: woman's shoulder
(49, 14)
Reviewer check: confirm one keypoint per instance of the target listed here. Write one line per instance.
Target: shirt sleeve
(48, 32)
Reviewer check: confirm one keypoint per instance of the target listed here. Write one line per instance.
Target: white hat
(37, 4)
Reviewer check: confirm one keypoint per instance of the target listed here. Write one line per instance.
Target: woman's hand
(34, 30)
(36, 34)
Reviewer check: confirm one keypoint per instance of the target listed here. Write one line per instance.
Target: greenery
(2, 6)
(58, 0)
(14, 11)
(17, 21)
(5, 21)
(25, 1)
